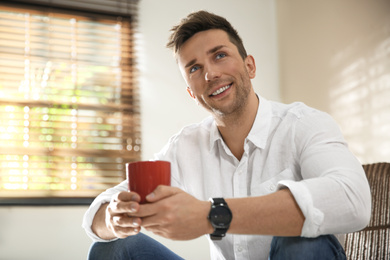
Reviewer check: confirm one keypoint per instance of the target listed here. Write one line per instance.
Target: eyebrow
(212, 50)
(215, 49)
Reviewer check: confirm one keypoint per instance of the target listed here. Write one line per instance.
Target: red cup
(145, 176)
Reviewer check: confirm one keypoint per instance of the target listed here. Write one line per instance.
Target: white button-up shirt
(289, 146)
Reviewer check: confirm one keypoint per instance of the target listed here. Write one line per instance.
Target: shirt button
(272, 187)
(239, 249)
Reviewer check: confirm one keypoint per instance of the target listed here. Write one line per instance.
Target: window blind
(113, 7)
(69, 107)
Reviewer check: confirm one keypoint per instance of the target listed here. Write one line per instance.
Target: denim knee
(140, 247)
(322, 247)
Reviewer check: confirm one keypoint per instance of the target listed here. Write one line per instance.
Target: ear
(250, 66)
(190, 92)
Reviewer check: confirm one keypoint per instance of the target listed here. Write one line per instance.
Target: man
(280, 177)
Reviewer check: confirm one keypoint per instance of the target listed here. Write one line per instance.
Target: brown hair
(202, 21)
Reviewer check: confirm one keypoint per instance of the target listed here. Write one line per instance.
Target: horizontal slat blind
(114, 7)
(69, 109)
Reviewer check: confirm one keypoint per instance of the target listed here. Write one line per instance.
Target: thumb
(160, 193)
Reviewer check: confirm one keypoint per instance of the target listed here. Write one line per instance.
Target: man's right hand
(112, 219)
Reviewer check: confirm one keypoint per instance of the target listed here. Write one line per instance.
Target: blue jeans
(142, 247)
(138, 247)
(319, 248)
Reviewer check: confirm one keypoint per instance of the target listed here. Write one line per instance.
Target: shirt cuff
(89, 215)
(314, 217)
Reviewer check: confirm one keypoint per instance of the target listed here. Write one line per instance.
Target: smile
(219, 91)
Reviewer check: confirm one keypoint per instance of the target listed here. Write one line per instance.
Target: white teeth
(219, 91)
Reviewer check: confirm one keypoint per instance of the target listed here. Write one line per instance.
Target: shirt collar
(214, 135)
(260, 129)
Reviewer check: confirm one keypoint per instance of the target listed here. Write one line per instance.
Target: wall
(335, 56)
(40, 233)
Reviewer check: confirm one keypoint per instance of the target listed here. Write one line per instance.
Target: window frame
(67, 10)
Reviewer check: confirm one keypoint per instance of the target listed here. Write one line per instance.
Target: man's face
(215, 73)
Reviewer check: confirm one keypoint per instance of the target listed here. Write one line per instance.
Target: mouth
(221, 90)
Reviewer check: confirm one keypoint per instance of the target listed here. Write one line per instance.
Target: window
(69, 108)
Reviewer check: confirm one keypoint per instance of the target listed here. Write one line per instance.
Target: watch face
(220, 216)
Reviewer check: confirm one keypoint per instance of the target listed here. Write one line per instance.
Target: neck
(236, 127)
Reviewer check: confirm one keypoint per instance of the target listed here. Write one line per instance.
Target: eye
(220, 55)
(194, 68)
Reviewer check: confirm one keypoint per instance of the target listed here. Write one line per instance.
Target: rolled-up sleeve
(334, 195)
(89, 215)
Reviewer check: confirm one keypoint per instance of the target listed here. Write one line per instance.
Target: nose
(211, 73)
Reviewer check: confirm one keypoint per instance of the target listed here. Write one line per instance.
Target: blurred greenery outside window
(69, 108)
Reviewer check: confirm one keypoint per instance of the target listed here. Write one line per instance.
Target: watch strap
(218, 201)
(218, 233)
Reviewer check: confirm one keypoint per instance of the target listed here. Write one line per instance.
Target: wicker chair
(373, 242)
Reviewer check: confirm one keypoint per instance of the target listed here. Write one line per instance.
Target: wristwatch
(220, 217)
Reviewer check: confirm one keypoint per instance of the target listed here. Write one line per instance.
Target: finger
(126, 222)
(124, 226)
(161, 192)
(122, 232)
(129, 196)
(158, 230)
(154, 229)
(163, 218)
(126, 196)
(116, 208)
(150, 221)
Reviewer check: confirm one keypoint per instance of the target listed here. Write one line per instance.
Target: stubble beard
(237, 109)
